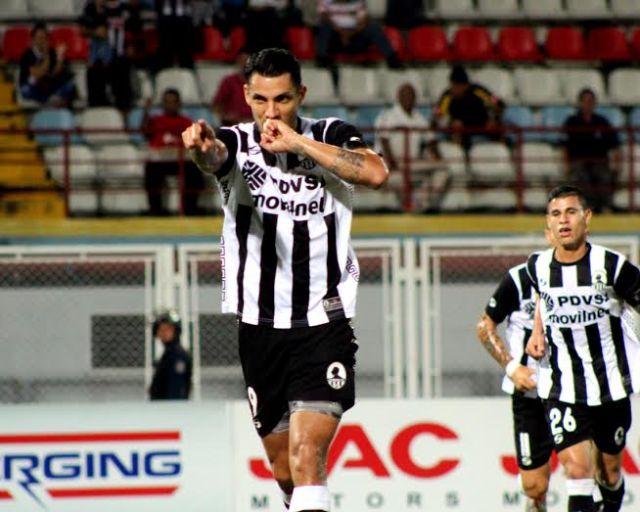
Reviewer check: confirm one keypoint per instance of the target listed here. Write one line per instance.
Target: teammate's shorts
(607, 425)
(281, 366)
(531, 432)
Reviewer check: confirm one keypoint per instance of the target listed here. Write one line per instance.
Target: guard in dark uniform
(172, 375)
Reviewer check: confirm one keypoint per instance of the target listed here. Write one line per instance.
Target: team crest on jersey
(336, 375)
(254, 175)
(600, 280)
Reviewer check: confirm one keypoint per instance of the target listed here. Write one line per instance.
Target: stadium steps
(31, 205)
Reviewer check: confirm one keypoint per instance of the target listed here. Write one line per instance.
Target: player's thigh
(611, 422)
(322, 366)
(533, 441)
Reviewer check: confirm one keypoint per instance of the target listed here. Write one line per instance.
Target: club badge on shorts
(336, 375)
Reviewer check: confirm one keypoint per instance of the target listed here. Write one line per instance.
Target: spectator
(345, 27)
(110, 70)
(175, 33)
(227, 15)
(277, 15)
(404, 14)
(429, 178)
(164, 134)
(44, 76)
(228, 102)
(589, 144)
(464, 106)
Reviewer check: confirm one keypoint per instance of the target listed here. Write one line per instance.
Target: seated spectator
(345, 27)
(110, 70)
(589, 145)
(176, 35)
(429, 179)
(227, 15)
(44, 75)
(464, 106)
(228, 103)
(277, 15)
(164, 134)
(404, 14)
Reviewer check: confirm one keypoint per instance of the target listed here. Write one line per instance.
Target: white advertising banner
(150, 457)
(453, 455)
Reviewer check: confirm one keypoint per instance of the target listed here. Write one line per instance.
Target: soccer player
(290, 274)
(515, 301)
(586, 291)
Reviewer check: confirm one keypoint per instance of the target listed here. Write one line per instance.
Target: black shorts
(531, 432)
(300, 364)
(607, 425)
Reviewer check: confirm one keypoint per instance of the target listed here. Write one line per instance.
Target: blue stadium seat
(53, 118)
(554, 117)
(338, 111)
(521, 116)
(364, 118)
(634, 120)
(196, 112)
(134, 122)
(615, 116)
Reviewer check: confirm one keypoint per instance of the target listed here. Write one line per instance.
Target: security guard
(172, 376)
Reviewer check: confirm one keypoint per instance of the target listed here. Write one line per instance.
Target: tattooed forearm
(492, 343)
(348, 165)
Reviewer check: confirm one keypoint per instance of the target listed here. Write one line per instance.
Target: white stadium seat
(394, 79)
(82, 174)
(540, 161)
(625, 8)
(498, 80)
(368, 200)
(543, 9)
(209, 78)
(184, 80)
(623, 86)
(491, 161)
(321, 90)
(52, 7)
(499, 9)
(121, 167)
(574, 80)
(377, 8)
(436, 81)
(13, 8)
(454, 157)
(538, 86)
(588, 9)
(102, 118)
(359, 86)
(454, 9)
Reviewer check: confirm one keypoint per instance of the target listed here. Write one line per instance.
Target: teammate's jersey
(594, 357)
(287, 257)
(514, 300)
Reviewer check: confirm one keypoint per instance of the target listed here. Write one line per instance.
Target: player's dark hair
(272, 62)
(567, 191)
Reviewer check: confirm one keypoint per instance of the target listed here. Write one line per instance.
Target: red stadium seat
(151, 42)
(301, 42)
(565, 43)
(472, 44)
(608, 43)
(428, 43)
(15, 41)
(635, 44)
(214, 47)
(77, 46)
(397, 41)
(518, 44)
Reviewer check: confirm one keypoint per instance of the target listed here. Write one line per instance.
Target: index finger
(206, 131)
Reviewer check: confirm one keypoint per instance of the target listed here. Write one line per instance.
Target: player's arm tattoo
(492, 342)
(348, 165)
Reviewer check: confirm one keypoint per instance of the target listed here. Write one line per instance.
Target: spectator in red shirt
(228, 102)
(164, 134)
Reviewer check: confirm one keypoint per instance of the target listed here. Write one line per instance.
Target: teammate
(290, 272)
(515, 301)
(172, 376)
(593, 355)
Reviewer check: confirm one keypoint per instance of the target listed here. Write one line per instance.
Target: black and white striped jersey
(286, 251)
(515, 301)
(593, 356)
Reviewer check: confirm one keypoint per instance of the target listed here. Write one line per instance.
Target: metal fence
(75, 321)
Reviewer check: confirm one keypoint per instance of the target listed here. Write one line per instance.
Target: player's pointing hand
(206, 150)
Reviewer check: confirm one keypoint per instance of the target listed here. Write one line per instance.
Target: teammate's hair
(567, 191)
(273, 62)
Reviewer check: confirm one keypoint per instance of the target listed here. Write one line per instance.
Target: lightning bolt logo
(27, 482)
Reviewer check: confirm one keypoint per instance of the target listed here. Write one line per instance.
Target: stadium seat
(14, 8)
(623, 86)
(543, 9)
(52, 8)
(436, 81)
(15, 41)
(634, 121)
(517, 44)
(625, 8)
(427, 43)
(394, 79)
(52, 119)
(454, 9)
(540, 162)
(588, 9)
(108, 119)
(520, 116)
(472, 44)
(626, 165)
(338, 111)
(396, 40)
(121, 170)
(322, 90)
(382, 200)
(492, 9)
(565, 43)
(214, 48)
(453, 155)
(364, 119)
(77, 45)
(182, 79)
(377, 8)
(538, 86)
(301, 42)
(498, 80)
(554, 117)
(574, 80)
(196, 112)
(491, 162)
(616, 117)
(359, 85)
(635, 44)
(210, 76)
(608, 44)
